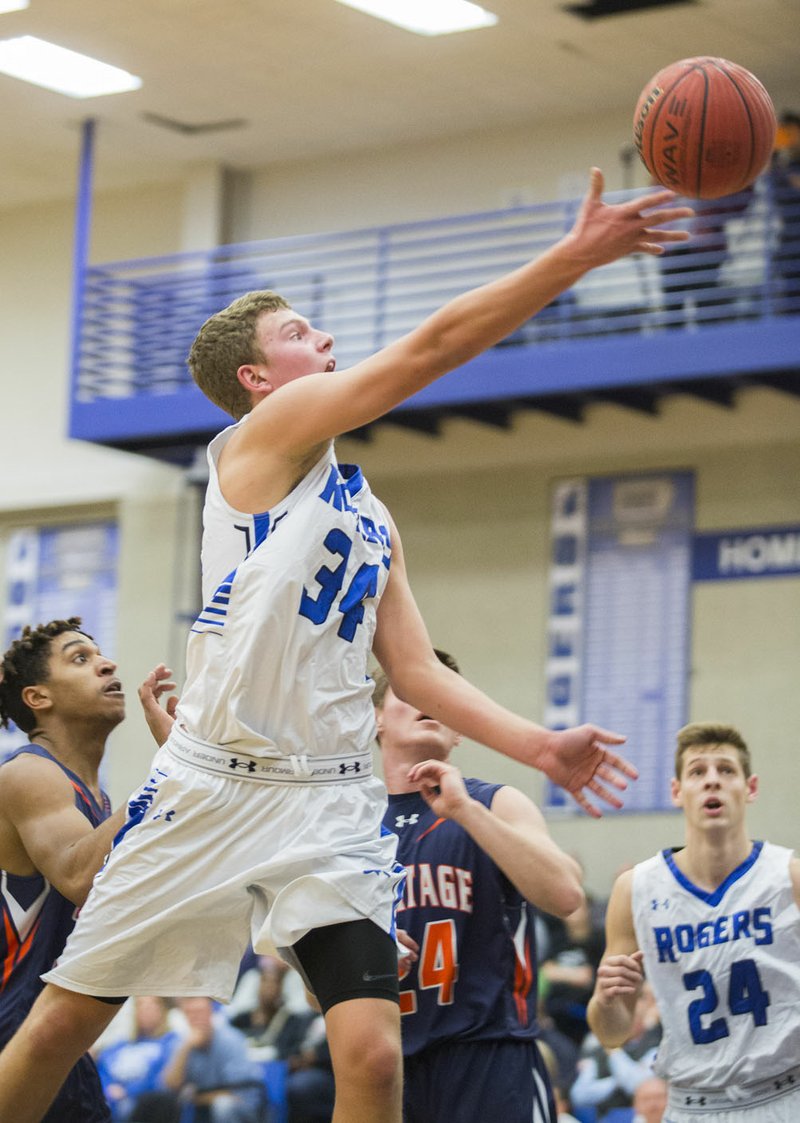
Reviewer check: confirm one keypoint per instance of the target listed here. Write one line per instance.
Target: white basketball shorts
(207, 862)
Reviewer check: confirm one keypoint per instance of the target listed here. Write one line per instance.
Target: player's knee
(50, 1030)
(374, 1059)
(61, 1023)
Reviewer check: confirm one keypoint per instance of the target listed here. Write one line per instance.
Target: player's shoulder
(28, 772)
(484, 790)
(794, 874)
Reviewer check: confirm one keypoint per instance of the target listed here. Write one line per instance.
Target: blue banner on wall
(736, 555)
(56, 572)
(619, 619)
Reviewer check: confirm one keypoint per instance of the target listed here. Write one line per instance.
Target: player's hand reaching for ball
(604, 232)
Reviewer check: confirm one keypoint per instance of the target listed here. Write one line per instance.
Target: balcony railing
(368, 287)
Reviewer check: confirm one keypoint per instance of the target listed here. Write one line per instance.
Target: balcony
(704, 321)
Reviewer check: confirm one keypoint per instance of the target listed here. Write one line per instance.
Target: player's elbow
(568, 898)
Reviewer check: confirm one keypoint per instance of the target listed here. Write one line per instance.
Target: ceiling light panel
(56, 68)
(427, 17)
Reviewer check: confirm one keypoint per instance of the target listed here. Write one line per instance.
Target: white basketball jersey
(725, 968)
(276, 660)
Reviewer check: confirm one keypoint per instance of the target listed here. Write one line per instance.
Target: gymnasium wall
(472, 507)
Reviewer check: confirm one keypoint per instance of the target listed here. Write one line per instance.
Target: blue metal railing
(370, 286)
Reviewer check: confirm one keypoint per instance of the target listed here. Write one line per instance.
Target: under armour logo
(784, 1082)
(655, 904)
(249, 765)
(402, 821)
(694, 1100)
(349, 768)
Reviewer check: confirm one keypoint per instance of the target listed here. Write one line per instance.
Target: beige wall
(472, 511)
(472, 506)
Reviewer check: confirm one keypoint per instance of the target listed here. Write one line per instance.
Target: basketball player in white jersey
(261, 818)
(715, 927)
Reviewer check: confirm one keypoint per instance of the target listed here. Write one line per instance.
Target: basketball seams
(745, 102)
(701, 139)
(656, 112)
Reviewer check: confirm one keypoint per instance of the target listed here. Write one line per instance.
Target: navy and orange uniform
(469, 1004)
(36, 923)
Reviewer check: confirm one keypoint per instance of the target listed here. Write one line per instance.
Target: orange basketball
(704, 127)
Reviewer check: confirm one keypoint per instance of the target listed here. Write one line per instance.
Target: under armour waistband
(734, 1097)
(290, 769)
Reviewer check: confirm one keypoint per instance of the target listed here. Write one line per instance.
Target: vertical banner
(56, 572)
(619, 623)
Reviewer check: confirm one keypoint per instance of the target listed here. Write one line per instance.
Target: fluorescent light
(13, 5)
(427, 17)
(66, 72)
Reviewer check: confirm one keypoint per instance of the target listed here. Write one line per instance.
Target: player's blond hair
(708, 734)
(225, 342)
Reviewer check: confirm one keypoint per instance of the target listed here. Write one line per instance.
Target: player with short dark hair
(59, 690)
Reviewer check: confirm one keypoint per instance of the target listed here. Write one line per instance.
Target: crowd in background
(264, 1058)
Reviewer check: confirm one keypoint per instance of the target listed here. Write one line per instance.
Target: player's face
(82, 682)
(713, 789)
(292, 347)
(402, 727)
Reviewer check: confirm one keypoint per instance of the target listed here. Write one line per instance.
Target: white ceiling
(307, 77)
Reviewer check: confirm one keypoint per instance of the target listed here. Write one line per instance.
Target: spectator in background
(608, 1079)
(562, 1049)
(650, 1101)
(272, 1030)
(568, 973)
(561, 1100)
(310, 1084)
(210, 1068)
(785, 182)
(563, 1113)
(131, 1069)
(245, 996)
(692, 272)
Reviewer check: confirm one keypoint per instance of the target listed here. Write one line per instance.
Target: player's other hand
(619, 974)
(578, 760)
(408, 953)
(441, 785)
(155, 686)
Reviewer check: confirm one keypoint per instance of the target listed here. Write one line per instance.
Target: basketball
(704, 127)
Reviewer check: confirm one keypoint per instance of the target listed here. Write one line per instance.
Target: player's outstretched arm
(576, 759)
(512, 832)
(308, 411)
(620, 975)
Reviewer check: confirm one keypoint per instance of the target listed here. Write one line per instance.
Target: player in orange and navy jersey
(478, 857)
(60, 691)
